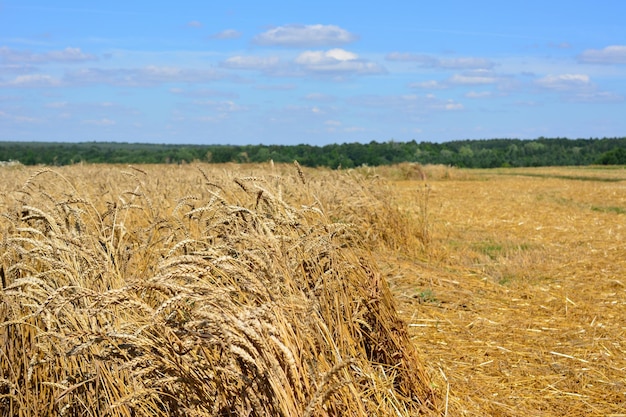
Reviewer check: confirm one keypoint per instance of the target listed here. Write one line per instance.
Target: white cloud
(69, 55)
(332, 123)
(16, 68)
(226, 34)
(141, 77)
(466, 78)
(561, 45)
(209, 119)
(319, 97)
(33, 81)
(251, 62)
(564, 82)
(203, 92)
(305, 35)
(66, 55)
(18, 119)
(597, 97)
(57, 105)
(577, 88)
(194, 24)
(526, 103)
(428, 61)
(353, 129)
(94, 107)
(336, 61)
(275, 87)
(325, 57)
(474, 78)
(162, 73)
(611, 55)
(429, 85)
(99, 122)
(208, 111)
(225, 106)
(479, 94)
(454, 106)
(465, 63)
(406, 57)
(410, 105)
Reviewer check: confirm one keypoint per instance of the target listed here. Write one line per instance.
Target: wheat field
(202, 290)
(262, 290)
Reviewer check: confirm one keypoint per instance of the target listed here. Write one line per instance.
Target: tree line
(489, 153)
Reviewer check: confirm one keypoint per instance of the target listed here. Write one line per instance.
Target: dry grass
(202, 290)
(519, 307)
(260, 290)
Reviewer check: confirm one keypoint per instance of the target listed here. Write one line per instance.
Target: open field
(520, 299)
(272, 290)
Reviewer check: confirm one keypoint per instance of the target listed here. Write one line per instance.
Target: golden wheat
(203, 291)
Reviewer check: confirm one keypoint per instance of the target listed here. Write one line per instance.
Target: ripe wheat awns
(129, 292)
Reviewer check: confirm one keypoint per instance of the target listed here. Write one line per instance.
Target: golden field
(519, 304)
(276, 290)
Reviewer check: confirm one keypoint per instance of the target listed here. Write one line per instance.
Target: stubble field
(520, 302)
(263, 290)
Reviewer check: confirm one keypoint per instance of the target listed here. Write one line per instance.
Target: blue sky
(275, 72)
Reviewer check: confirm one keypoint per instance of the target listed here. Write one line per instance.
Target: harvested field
(519, 303)
(277, 290)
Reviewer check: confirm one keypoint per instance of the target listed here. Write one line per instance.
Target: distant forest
(490, 153)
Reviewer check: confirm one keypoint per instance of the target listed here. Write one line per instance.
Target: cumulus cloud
(428, 61)
(611, 55)
(226, 34)
(251, 62)
(564, 82)
(336, 61)
(316, 57)
(305, 36)
(65, 55)
(578, 88)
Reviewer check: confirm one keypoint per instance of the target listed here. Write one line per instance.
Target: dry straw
(520, 309)
(224, 291)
